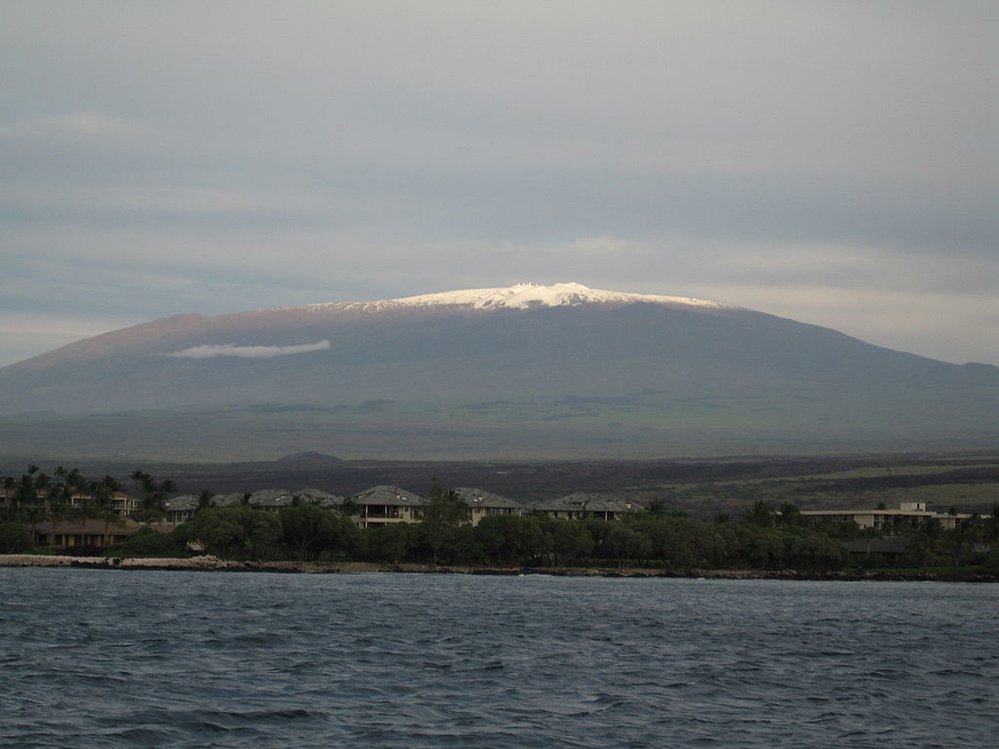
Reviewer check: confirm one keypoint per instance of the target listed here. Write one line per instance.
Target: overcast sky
(834, 162)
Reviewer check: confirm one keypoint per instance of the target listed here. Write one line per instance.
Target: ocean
(115, 658)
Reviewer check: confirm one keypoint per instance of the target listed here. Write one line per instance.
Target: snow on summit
(523, 296)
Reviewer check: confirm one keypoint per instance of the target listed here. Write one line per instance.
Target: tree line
(662, 541)
(765, 537)
(68, 493)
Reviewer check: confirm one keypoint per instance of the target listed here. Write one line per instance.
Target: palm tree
(153, 493)
(205, 498)
(74, 486)
(103, 494)
(9, 485)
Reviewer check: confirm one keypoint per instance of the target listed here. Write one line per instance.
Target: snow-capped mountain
(519, 296)
(525, 370)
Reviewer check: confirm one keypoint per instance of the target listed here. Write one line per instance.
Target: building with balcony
(483, 504)
(387, 505)
(907, 517)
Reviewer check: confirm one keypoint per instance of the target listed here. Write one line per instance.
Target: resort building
(580, 506)
(483, 504)
(91, 533)
(387, 505)
(909, 516)
(317, 497)
(121, 503)
(182, 508)
(124, 504)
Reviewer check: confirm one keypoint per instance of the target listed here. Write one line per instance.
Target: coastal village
(95, 523)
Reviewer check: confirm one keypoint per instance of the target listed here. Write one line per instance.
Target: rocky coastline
(208, 563)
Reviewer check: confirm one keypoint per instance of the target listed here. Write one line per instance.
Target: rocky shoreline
(214, 564)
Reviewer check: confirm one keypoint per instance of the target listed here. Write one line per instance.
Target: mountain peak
(526, 296)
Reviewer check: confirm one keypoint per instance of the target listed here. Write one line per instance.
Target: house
(86, 533)
(318, 498)
(909, 516)
(387, 505)
(483, 504)
(271, 500)
(279, 499)
(580, 505)
(123, 504)
(180, 509)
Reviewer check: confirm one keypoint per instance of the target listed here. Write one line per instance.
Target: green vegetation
(35, 497)
(763, 540)
(14, 538)
(716, 515)
(147, 543)
(971, 484)
(154, 493)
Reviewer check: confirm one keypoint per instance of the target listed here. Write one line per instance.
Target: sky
(832, 162)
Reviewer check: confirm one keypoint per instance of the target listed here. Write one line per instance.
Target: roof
(181, 503)
(481, 498)
(270, 498)
(388, 495)
(89, 527)
(319, 497)
(584, 502)
(264, 498)
(227, 500)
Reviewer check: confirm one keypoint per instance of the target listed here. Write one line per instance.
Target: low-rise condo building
(909, 516)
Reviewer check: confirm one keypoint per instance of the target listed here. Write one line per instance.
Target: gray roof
(584, 502)
(227, 500)
(181, 503)
(310, 496)
(481, 498)
(269, 498)
(388, 495)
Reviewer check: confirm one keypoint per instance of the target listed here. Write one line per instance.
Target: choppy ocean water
(111, 658)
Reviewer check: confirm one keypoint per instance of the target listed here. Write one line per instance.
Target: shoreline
(214, 564)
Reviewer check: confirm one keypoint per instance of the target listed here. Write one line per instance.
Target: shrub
(147, 543)
(14, 538)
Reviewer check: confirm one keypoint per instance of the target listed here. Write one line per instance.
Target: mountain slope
(539, 369)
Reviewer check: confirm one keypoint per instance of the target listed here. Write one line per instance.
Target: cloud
(78, 124)
(212, 351)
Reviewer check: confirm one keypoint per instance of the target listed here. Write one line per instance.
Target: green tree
(627, 544)
(102, 493)
(308, 532)
(789, 514)
(205, 498)
(15, 538)
(571, 542)
(148, 543)
(761, 514)
(443, 512)
(509, 540)
(236, 532)
(154, 493)
(391, 543)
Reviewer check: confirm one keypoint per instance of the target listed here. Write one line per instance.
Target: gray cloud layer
(837, 163)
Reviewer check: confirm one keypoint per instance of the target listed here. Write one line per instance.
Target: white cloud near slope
(212, 351)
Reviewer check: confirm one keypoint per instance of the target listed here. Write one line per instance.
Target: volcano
(525, 371)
